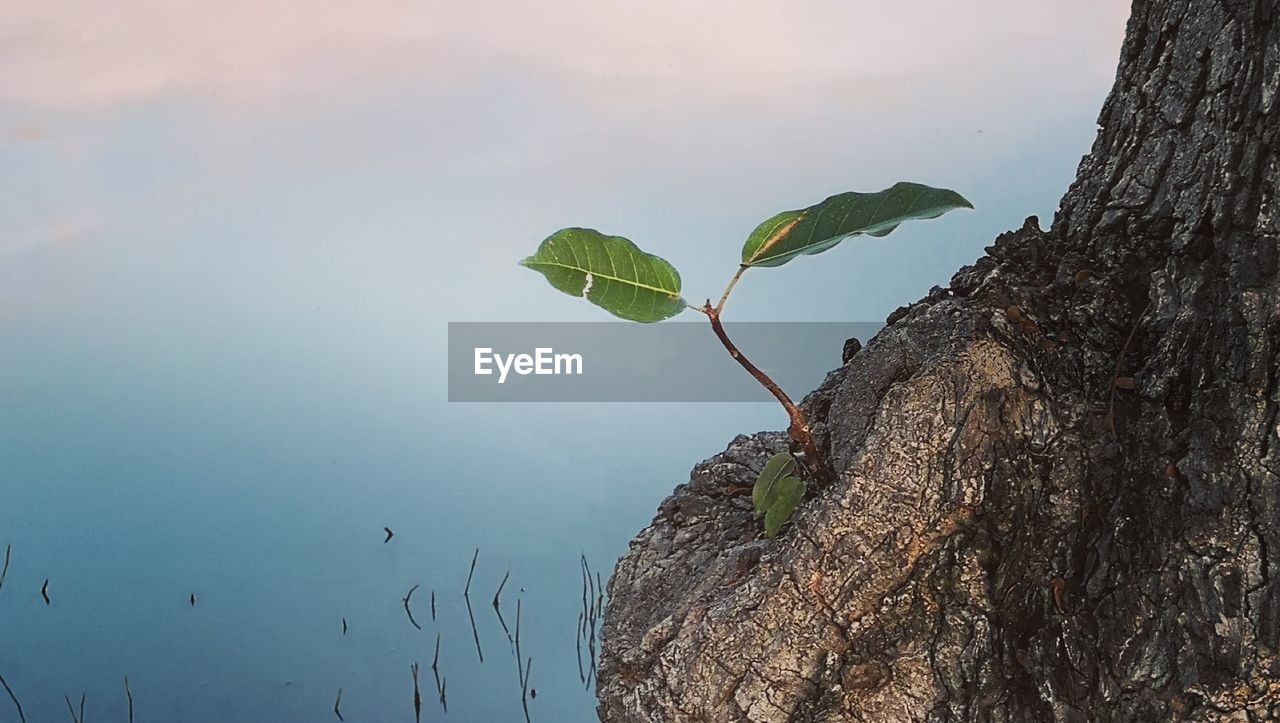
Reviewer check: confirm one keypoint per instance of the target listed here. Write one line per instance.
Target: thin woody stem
(729, 289)
(799, 429)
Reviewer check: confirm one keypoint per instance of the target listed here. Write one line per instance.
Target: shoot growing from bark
(614, 274)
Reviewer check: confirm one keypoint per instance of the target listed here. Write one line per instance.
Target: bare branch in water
(337, 706)
(8, 551)
(586, 576)
(128, 692)
(524, 690)
(13, 697)
(475, 634)
(497, 607)
(435, 670)
(589, 619)
(505, 629)
(522, 668)
(435, 665)
(406, 607)
(466, 592)
(417, 696)
(71, 709)
(519, 663)
(501, 585)
(582, 676)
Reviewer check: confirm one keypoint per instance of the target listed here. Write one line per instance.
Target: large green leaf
(610, 272)
(778, 466)
(787, 495)
(817, 228)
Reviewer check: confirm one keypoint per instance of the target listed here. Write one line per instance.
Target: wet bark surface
(1057, 478)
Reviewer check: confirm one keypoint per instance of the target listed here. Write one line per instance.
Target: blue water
(129, 489)
(129, 495)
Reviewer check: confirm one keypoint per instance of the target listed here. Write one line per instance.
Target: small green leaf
(777, 493)
(817, 228)
(610, 272)
(778, 466)
(787, 495)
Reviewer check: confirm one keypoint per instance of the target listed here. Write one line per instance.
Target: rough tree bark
(1015, 535)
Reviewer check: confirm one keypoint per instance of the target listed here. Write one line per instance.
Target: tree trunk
(1057, 493)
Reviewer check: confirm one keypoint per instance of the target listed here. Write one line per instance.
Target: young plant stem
(729, 289)
(799, 428)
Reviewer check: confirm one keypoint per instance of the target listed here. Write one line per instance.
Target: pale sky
(163, 103)
(84, 54)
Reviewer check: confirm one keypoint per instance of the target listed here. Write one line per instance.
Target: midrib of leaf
(606, 277)
(809, 243)
(778, 235)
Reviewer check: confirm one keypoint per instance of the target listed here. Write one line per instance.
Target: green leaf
(778, 466)
(610, 272)
(787, 495)
(777, 493)
(817, 228)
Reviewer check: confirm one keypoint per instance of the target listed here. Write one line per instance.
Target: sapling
(614, 274)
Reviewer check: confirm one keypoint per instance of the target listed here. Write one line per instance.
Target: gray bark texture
(1057, 478)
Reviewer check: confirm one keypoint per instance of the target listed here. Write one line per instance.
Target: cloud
(144, 112)
(75, 227)
(86, 53)
(25, 134)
